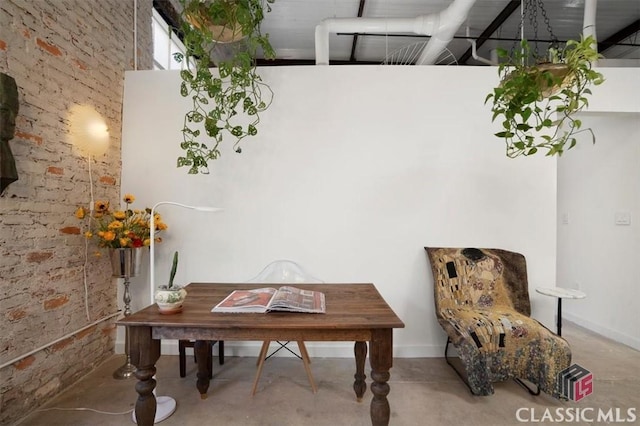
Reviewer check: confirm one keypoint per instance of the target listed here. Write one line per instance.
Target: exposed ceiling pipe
(589, 25)
(474, 52)
(441, 26)
(448, 22)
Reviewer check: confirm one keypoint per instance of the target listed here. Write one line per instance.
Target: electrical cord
(86, 245)
(85, 409)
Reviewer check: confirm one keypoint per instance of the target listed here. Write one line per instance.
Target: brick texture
(61, 53)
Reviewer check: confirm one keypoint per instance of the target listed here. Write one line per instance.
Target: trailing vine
(229, 100)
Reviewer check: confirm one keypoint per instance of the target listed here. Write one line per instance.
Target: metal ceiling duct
(441, 26)
(589, 25)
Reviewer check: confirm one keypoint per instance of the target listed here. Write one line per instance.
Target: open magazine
(285, 298)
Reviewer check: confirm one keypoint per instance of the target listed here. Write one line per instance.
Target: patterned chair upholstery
(482, 302)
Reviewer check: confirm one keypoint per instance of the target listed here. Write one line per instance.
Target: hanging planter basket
(536, 103)
(560, 75)
(227, 37)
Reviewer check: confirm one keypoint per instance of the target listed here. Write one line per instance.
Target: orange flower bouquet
(127, 228)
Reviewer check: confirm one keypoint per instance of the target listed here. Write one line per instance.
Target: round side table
(561, 293)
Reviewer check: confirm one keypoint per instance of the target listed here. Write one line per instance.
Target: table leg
(559, 319)
(144, 352)
(381, 359)
(202, 348)
(360, 386)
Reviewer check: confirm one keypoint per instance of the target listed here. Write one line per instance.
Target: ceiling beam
(493, 26)
(619, 36)
(352, 58)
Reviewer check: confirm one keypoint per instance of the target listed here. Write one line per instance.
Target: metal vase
(125, 262)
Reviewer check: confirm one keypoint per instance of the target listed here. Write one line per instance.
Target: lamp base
(126, 371)
(165, 406)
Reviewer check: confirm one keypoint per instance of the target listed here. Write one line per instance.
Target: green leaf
(504, 134)
(186, 75)
(247, 103)
(236, 131)
(501, 52)
(224, 69)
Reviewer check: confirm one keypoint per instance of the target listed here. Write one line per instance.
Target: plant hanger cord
(529, 9)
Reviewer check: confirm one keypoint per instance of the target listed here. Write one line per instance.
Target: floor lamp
(165, 405)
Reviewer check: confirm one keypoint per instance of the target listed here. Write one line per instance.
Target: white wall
(595, 182)
(354, 171)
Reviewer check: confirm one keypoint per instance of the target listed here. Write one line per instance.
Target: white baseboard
(603, 330)
(315, 349)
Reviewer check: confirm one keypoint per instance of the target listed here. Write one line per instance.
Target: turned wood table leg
(381, 359)
(144, 351)
(202, 348)
(360, 386)
(146, 403)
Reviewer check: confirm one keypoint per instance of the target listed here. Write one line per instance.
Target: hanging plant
(536, 103)
(226, 102)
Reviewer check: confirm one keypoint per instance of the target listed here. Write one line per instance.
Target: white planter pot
(170, 301)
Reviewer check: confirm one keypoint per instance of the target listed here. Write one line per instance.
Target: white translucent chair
(283, 272)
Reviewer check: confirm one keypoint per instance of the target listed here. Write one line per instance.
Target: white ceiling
(291, 27)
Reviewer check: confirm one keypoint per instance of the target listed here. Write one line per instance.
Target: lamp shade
(88, 130)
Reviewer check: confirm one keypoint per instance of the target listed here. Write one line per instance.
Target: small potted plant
(168, 297)
(535, 104)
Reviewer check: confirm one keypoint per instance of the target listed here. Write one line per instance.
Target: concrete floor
(424, 391)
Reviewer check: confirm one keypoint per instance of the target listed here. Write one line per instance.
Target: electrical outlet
(622, 218)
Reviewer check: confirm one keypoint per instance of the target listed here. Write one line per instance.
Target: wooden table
(355, 312)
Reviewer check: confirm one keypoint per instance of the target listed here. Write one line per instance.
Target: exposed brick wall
(61, 53)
